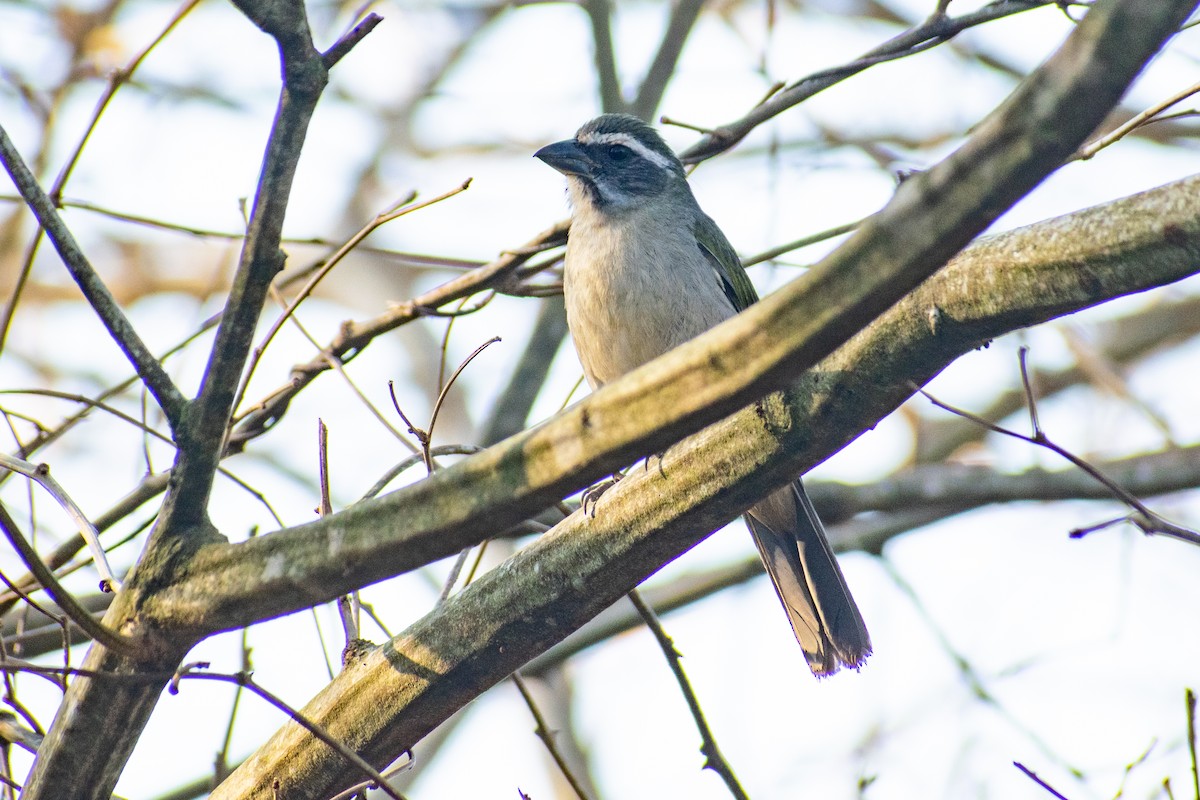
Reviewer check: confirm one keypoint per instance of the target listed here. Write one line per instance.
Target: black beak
(566, 157)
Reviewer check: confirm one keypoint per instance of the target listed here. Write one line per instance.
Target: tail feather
(808, 581)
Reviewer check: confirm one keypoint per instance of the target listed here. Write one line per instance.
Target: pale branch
(148, 368)
(933, 31)
(796, 244)
(963, 486)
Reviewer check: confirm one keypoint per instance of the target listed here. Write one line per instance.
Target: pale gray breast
(634, 290)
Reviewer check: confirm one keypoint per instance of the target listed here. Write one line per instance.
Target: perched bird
(647, 270)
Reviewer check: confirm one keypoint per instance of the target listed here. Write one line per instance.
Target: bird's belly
(620, 320)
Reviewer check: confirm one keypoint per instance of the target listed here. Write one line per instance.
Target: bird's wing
(725, 263)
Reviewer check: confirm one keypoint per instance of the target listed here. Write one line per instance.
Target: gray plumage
(647, 270)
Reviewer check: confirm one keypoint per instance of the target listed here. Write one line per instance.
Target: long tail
(796, 554)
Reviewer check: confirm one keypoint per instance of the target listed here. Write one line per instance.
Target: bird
(645, 271)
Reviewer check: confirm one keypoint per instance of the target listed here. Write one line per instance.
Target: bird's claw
(591, 495)
(659, 456)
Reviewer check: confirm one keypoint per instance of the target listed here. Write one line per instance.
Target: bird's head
(616, 163)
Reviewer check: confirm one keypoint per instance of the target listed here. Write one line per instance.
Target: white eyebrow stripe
(633, 144)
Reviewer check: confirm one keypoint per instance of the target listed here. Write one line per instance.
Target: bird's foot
(656, 457)
(591, 495)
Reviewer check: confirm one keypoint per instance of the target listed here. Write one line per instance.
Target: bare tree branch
(935, 30)
(169, 398)
(683, 17)
(354, 336)
(66, 602)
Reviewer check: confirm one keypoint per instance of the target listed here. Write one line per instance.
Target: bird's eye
(619, 152)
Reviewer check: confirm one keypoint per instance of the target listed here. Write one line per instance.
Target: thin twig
(422, 436)
(437, 406)
(1030, 395)
(713, 759)
(1131, 766)
(346, 604)
(1144, 518)
(339, 368)
(326, 506)
(288, 277)
(151, 371)
(461, 560)
(419, 458)
(59, 620)
(776, 252)
(1033, 777)
(1145, 117)
(116, 79)
(547, 736)
(357, 790)
(221, 768)
(395, 211)
(244, 679)
(932, 32)
(352, 37)
(40, 473)
(1190, 702)
(79, 615)
(355, 336)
